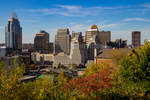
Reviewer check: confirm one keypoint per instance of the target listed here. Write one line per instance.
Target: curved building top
(13, 15)
(94, 27)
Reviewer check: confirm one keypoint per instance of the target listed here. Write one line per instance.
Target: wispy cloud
(109, 25)
(73, 23)
(29, 20)
(83, 28)
(137, 19)
(71, 10)
(147, 5)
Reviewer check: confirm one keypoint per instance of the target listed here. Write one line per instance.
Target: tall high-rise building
(41, 42)
(93, 47)
(136, 38)
(91, 32)
(62, 41)
(75, 33)
(124, 43)
(13, 33)
(119, 42)
(104, 37)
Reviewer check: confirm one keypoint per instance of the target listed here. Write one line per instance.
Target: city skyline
(119, 17)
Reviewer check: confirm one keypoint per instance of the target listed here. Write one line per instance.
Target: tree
(88, 86)
(80, 66)
(10, 88)
(59, 65)
(74, 66)
(136, 66)
(95, 68)
(62, 66)
(32, 66)
(116, 55)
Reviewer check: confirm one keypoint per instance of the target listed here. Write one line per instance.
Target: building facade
(91, 32)
(136, 38)
(4, 51)
(13, 33)
(62, 41)
(9, 61)
(93, 47)
(75, 33)
(119, 42)
(41, 42)
(105, 36)
(124, 43)
(77, 54)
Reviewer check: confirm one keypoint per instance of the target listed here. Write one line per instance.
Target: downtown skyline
(121, 18)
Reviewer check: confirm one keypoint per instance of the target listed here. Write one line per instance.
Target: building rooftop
(93, 30)
(3, 47)
(104, 53)
(94, 27)
(95, 38)
(13, 15)
(78, 38)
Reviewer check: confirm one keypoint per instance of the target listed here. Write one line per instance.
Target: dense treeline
(128, 79)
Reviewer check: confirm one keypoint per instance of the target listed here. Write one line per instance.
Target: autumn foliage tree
(32, 66)
(116, 55)
(90, 84)
(136, 66)
(10, 86)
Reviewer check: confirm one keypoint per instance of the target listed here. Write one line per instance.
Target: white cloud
(82, 28)
(71, 10)
(109, 25)
(137, 19)
(73, 23)
(147, 5)
(29, 20)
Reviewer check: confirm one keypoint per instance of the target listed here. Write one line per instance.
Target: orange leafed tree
(95, 82)
(32, 66)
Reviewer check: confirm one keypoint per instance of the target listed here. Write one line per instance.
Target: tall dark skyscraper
(136, 38)
(13, 33)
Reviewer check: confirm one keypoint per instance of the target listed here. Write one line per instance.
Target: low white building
(42, 59)
(4, 51)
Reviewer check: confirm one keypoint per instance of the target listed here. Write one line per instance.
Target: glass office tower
(13, 33)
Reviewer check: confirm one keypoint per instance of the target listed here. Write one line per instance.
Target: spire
(13, 15)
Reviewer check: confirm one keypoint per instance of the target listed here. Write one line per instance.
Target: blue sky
(118, 16)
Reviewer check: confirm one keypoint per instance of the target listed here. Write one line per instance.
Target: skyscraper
(91, 32)
(13, 33)
(75, 33)
(136, 38)
(93, 47)
(41, 42)
(62, 41)
(105, 37)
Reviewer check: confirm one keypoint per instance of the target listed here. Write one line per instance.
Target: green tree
(74, 66)
(95, 68)
(116, 55)
(62, 66)
(10, 86)
(136, 66)
(59, 65)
